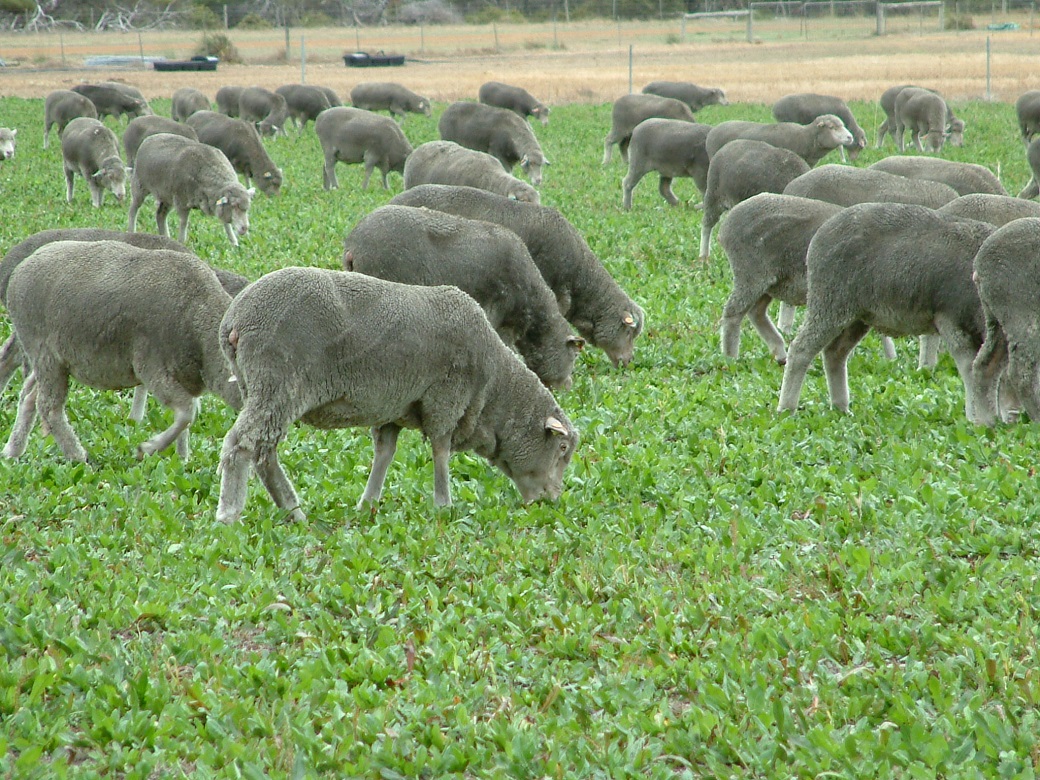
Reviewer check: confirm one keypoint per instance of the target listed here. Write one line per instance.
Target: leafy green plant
(216, 44)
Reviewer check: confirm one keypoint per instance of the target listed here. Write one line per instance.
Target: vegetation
(215, 44)
(721, 591)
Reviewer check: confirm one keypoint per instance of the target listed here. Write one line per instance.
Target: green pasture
(721, 591)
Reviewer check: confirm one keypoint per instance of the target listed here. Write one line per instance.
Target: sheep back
(515, 99)
(809, 141)
(267, 109)
(143, 126)
(671, 147)
(186, 101)
(446, 162)
(629, 110)
(694, 96)
(62, 106)
(1027, 110)
(997, 210)
(389, 96)
(497, 131)
(240, 142)
(803, 107)
(354, 135)
(845, 185)
(304, 102)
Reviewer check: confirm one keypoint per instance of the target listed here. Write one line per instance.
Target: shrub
(960, 22)
(315, 19)
(253, 22)
(218, 45)
(201, 17)
(492, 14)
(428, 12)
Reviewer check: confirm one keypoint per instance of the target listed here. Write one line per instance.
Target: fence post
(140, 47)
(880, 11)
(682, 28)
(422, 38)
(989, 94)
(630, 68)
(357, 38)
(61, 41)
(225, 17)
(303, 60)
(494, 26)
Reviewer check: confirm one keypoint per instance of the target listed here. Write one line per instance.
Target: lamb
(62, 106)
(90, 149)
(629, 110)
(964, 177)
(386, 356)
(7, 142)
(924, 113)
(142, 127)
(997, 210)
(692, 95)
(445, 162)
(804, 107)
(954, 126)
(1032, 189)
(389, 96)
(183, 174)
(1027, 109)
(845, 185)
(227, 98)
(1007, 273)
(354, 135)
(497, 131)
(515, 99)
(902, 269)
(586, 293)
(264, 107)
(810, 141)
(168, 307)
(188, 100)
(110, 101)
(240, 142)
(671, 147)
(740, 169)
(304, 102)
(419, 246)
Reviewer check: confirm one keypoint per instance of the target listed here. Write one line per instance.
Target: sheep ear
(577, 342)
(628, 319)
(545, 161)
(524, 162)
(97, 175)
(251, 191)
(552, 425)
(267, 175)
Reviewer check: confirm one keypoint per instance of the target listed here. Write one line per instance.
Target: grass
(721, 591)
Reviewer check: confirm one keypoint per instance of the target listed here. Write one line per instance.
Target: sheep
(899, 268)
(1007, 274)
(954, 126)
(90, 149)
(131, 92)
(1032, 189)
(62, 106)
(7, 143)
(264, 107)
(964, 177)
(692, 95)
(183, 174)
(671, 147)
(515, 99)
(116, 316)
(740, 169)
(419, 246)
(924, 113)
(445, 162)
(1027, 109)
(110, 101)
(997, 210)
(339, 349)
(240, 142)
(304, 103)
(810, 141)
(802, 108)
(586, 293)
(354, 135)
(143, 126)
(629, 110)
(389, 96)
(333, 98)
(497, 131)
(188, 100)
(845, 185)
(227, 98)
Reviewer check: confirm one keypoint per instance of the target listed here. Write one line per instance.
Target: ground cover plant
(721, 591)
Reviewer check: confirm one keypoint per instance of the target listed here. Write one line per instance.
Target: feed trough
(195, 63)
(362, 59)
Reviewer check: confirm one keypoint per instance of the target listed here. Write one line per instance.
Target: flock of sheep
(457, 308)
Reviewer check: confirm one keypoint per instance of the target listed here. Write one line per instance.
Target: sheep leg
(184, 406)
(329, 180)
(96, 192)
(987, 369)
(24, 420)
(384, 443)
(1031, 190)
(812, 338)
(441, 476)
(369, 166)
(964, 350)
(137, 196)
(632, 178)
(281, 490)
(70, 184)
(52, 392)
(928, 351)
(162, 212)
(230, 231)
(883, 130)
(1023, 379)
(785, 320)
(759, 316)
(888, 348)
(608, 148)
(899, 135)
(836, 363)
(11, 357)
(139, 403)
(664, 186)
(711, 215)
(235, 457)
(623, 148)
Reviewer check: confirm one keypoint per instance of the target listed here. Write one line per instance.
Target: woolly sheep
(692, 95)
(497, 131)
(672, 148)
(964, 177)
(354, 135)
(629, 110)
(740, 169)
(804, 107)
(338, 349)
(954, 125)
(515, 99)
(304, 103)
(62, 106)
(265, 108)
(997, 210)
(113, 101)
(188, 100)
(91, 150)
(227, 98)
(845, 185)
(132, 92)
(810, 141)
(487, 261)
(169, 305)
(143, 126)
(183, 175)
(389, 96)
(902, 269)
(240, 142)
(7, 142)
(333, 98)
(445, 162)
(924, 113)
(586, 293)
(1027, 109)
(1032, 189)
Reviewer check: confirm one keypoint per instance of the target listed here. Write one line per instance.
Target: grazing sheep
(924, 113)
(90, 149)
(7, 141)
(1027, 109)
(954, 126)
(110, 101)
(964, 177)
(629, 110)
(845, 185)
(385, 356)
(586, 293)
(902, 269)
(188, 100)
(389, 96)
(997, 210)
(116, 316)
(692, 95)
(304, 103)
(497, 131)
(671, 147)
(810, 141)
(1007, 273)
(183, 175)
(131, 92)
(240, 142)
(333, 98)
(490, 262)
(740, 169)
(62, 106)
(354, 135)
(227, 98)
(267, 109)
(515, 99)
(1032, 189)
(804, 107)
(445, 162)
(142, 127)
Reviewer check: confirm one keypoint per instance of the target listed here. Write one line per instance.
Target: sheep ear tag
(628, 319)
(222, 201)
(576, 342)
(555, 426)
